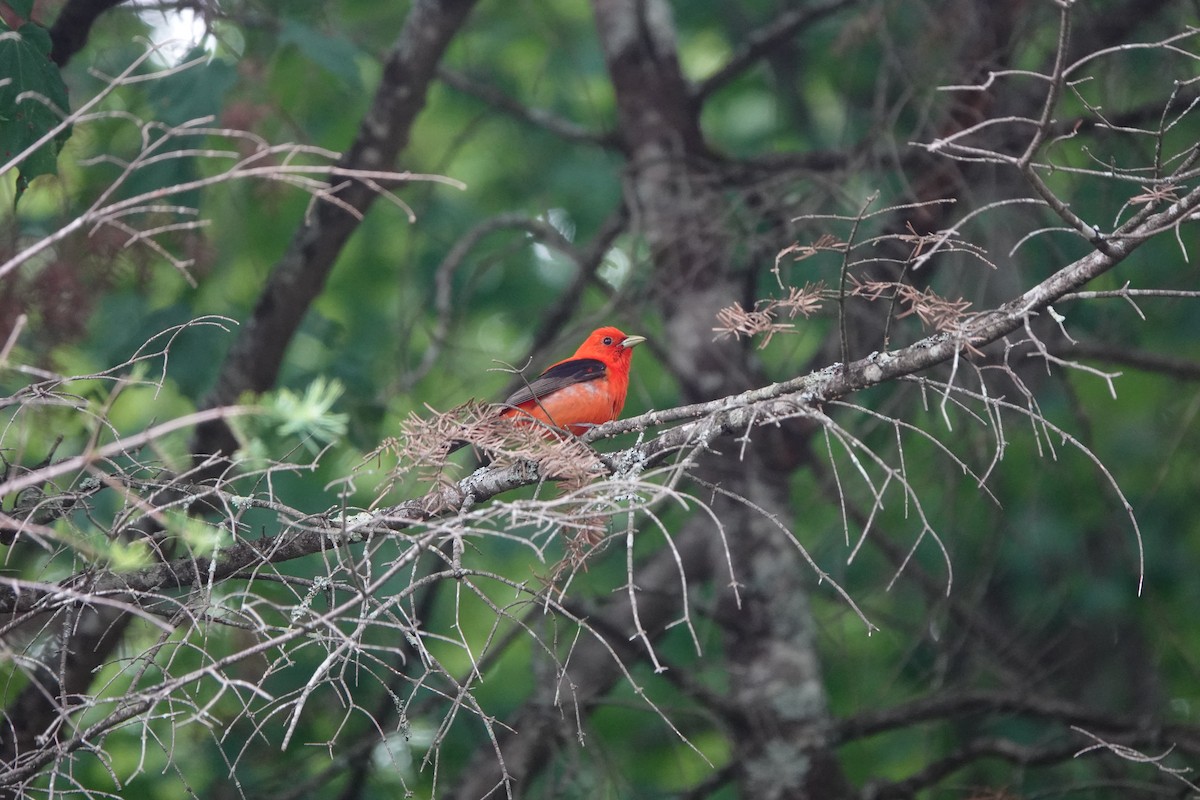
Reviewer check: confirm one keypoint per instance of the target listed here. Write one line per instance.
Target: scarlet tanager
(584, 390)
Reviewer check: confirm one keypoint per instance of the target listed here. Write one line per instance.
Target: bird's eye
(607, 340)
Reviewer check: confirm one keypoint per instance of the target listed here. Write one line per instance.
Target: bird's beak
(630, 341)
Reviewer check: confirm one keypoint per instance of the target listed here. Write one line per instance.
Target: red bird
(581, 391)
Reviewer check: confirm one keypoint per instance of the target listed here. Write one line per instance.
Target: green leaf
(335, 55)
(310, 415)
(42, 104)
(200, 536)
(128, 556)
(24, 8)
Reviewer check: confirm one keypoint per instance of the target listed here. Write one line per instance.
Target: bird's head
(610, 345)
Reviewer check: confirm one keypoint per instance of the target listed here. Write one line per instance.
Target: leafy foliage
(909, 511)
(33, 103)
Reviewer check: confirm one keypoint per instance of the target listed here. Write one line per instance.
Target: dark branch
(1183, 368)
(70, 31)
(760, 43)
(253, 362)
(563, 128)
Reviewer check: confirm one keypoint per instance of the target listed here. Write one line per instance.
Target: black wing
(568, 373)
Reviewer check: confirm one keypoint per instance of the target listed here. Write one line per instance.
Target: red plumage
(584, 390)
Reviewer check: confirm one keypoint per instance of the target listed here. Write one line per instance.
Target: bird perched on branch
(584, 390)
(572, 395)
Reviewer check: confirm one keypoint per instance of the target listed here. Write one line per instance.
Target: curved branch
(537, 230)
